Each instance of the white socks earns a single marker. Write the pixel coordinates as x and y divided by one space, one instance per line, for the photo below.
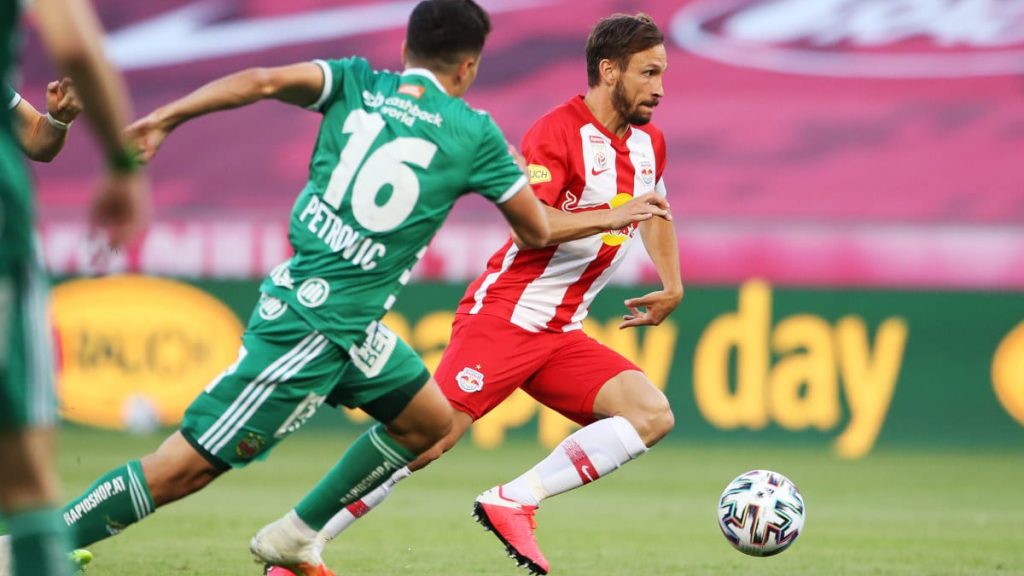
586 455
359 508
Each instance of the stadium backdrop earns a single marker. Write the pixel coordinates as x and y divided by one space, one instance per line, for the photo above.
846 370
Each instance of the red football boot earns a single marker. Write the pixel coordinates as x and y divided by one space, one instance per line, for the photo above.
513 524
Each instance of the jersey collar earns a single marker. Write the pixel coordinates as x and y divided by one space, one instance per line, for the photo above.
426 74
580 105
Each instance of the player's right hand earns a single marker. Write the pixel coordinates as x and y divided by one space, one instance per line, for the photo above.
643 207
147 134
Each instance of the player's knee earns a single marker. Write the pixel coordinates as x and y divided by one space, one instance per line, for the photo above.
423 432
663 420
654 421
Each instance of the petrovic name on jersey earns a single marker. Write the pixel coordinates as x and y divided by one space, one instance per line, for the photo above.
321 220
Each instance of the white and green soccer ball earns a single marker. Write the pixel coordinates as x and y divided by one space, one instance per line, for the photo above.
761 513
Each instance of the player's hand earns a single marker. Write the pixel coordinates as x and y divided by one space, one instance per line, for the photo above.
650 310
121 209
147 134
643 207
62 101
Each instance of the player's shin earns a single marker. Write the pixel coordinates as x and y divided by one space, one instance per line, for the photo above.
586 455
356 510
115 501
38 543
367 464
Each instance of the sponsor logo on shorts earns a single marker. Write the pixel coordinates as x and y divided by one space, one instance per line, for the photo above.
271 308
372 355
313 292
302 413
250 446
470 380
538 174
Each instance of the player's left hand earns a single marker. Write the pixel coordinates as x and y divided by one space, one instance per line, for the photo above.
62 101
651 309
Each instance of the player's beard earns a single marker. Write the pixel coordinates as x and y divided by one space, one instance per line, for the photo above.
630 112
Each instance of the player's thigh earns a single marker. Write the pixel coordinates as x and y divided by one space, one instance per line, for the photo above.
487 359
384 380
284 371
27 397
570 380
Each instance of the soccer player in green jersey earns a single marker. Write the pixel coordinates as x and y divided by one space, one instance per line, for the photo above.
28 485
393 153
42 136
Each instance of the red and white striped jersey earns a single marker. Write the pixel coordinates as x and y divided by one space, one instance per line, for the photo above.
575 164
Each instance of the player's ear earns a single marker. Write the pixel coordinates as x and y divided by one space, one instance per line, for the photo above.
467 70
609 71
405 54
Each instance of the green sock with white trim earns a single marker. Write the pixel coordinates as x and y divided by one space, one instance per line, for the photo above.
39 544
365 465
115 501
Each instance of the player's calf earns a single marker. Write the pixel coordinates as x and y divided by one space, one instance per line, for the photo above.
131 492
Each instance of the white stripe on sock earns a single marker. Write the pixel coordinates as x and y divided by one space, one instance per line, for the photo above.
136 485
131 493
388 452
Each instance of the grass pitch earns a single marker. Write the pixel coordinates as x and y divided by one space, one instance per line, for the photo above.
894 513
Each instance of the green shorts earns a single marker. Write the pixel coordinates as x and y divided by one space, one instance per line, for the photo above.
27 398
284 372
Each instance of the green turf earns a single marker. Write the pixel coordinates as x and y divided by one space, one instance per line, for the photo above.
913 513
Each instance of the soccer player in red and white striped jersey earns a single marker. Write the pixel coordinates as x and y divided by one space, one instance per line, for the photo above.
597 163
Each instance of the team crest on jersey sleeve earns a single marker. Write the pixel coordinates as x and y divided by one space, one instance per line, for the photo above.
470 380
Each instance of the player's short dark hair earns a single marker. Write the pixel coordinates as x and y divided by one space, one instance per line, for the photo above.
441 32
617 38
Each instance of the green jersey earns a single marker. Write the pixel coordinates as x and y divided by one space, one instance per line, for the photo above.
16 211
393 154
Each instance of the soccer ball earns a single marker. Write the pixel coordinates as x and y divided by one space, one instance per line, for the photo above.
761 513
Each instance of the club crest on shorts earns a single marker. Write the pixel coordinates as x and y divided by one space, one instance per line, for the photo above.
470 380
250 446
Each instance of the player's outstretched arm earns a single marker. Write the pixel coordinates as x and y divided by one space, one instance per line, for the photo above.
568 226
42 136
72 35
528 219
299 84
659 237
